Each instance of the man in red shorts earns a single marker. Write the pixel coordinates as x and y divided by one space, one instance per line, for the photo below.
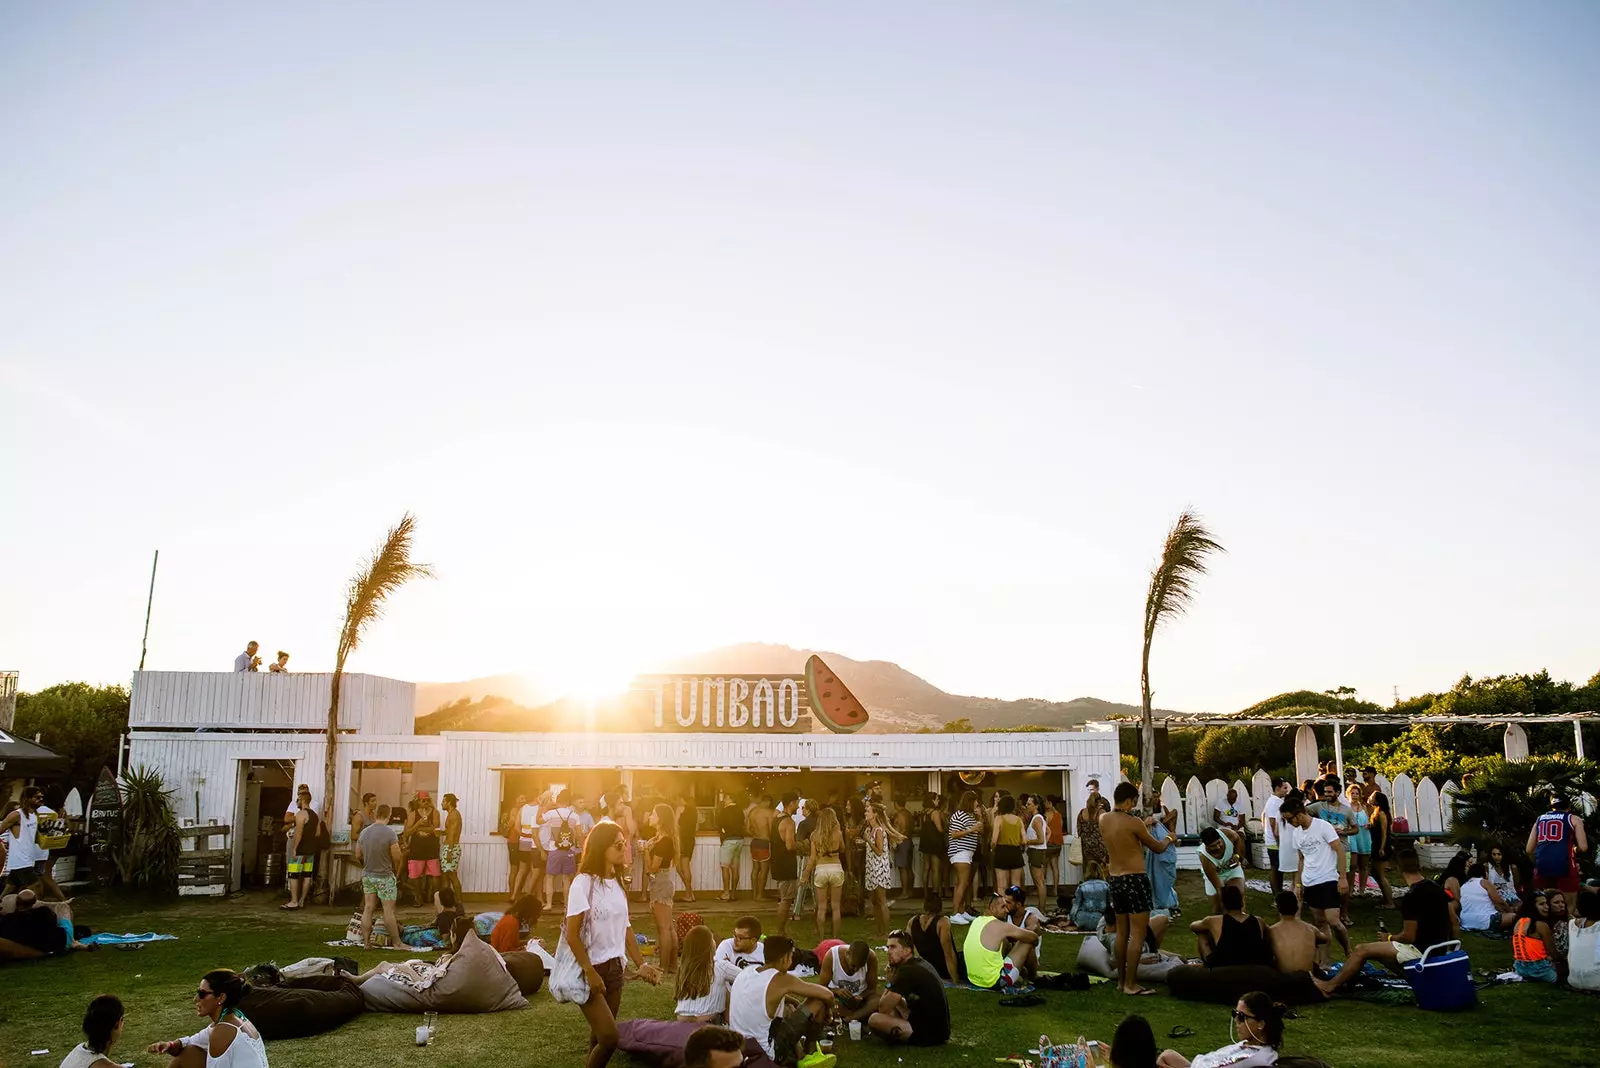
1554 843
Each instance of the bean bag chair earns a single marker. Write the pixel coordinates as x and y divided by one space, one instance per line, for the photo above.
475 980
1224 986
686 922
1094 958
660 1042
526 969
299 1008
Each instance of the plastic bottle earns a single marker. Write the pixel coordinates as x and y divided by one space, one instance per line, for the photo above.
1383 929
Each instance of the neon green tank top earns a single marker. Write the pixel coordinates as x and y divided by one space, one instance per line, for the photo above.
983 965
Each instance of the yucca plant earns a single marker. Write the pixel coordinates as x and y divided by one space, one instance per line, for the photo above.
147 854
1498 807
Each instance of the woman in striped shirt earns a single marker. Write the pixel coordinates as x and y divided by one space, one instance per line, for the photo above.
962 836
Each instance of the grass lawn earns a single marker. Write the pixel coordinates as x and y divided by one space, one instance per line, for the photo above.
43 1002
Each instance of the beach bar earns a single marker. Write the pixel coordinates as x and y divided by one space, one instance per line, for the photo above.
232 747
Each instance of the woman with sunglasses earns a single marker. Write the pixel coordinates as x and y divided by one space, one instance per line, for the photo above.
1258 1023
229 1040
595 939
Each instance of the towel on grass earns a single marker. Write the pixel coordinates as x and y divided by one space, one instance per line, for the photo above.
104 938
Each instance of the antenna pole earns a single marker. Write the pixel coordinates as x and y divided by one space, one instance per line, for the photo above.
144 643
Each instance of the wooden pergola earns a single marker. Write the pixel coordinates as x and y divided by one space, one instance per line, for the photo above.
1338 723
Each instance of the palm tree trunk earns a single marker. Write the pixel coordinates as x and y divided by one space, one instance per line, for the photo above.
1147 726
330 765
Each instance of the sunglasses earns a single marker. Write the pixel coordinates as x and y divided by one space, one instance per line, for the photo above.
1241 1017
201 995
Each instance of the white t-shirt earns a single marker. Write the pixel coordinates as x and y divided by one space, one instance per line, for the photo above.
607 905
754 959
1238 1055
852 983
1272 811
1314 844
1231 815
527 818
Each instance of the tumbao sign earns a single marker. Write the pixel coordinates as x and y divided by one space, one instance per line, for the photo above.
728 702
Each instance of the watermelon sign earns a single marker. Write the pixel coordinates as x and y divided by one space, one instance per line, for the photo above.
831 700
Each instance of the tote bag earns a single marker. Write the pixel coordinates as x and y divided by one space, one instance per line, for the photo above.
567 981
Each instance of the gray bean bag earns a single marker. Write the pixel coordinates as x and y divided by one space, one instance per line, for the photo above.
475 980
1094 958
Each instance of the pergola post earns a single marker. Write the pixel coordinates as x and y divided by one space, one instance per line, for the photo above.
1338 748
1577 736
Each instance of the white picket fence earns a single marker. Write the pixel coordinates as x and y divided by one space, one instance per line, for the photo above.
1426 808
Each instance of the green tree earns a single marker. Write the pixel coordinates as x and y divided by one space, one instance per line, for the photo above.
958 726
384 572
1183 560
81 722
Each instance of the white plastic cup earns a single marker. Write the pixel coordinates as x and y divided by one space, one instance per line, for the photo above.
855 1030
422 1034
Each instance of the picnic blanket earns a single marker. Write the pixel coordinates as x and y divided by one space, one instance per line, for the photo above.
105 938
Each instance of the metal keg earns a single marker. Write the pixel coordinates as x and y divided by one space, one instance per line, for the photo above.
271 868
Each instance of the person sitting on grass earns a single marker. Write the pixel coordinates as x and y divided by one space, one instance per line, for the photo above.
913 1009
745 949
703 978
1235 937
1134 1044
229 1040
1533 941
1482 907
1293 941
102 1026
988 966
851 972
714 1047
930 932
1258 1023
1221 862
757 1009
1429 921
506 935
446 910
1029 918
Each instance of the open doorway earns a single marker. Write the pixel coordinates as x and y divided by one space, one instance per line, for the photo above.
264 793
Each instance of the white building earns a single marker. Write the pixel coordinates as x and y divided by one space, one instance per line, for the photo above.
233 746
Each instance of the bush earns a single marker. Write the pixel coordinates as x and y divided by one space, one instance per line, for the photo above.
147 856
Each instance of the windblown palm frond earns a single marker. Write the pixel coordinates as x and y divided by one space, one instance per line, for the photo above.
389 568
1183 560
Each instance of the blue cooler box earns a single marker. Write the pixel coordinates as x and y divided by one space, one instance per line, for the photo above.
1442 979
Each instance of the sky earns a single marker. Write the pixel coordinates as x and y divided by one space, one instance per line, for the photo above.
901 330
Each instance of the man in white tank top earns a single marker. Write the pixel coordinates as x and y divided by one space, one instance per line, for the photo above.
757 1009
21 828
851 972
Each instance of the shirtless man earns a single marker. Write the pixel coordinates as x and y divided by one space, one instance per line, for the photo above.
1294 942
1127 838
450 848
760 821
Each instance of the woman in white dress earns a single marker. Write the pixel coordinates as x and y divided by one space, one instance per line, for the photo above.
229 1040
102 1026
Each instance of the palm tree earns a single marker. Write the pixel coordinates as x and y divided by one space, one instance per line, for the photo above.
384 572
1183 559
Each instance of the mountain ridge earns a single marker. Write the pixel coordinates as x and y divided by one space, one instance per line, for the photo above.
899 700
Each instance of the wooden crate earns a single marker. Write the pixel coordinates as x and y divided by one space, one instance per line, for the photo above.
203 871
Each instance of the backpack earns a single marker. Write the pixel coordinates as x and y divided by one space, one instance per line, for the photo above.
563 836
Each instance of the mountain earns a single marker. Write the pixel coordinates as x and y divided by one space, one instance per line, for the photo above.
897 699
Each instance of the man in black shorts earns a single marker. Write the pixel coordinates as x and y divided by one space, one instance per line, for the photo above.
1321 868
1127 839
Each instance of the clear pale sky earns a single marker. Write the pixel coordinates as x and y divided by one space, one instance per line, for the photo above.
899 330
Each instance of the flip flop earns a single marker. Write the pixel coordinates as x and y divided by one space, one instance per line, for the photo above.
1021 1001
288 908
1142 992
1181 1032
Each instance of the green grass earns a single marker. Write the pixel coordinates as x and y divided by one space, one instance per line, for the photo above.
43 1002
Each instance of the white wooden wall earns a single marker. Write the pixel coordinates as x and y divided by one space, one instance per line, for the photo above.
368 703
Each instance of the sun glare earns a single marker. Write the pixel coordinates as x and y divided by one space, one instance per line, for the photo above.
590 680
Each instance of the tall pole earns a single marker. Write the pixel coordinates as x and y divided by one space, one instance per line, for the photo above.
144 643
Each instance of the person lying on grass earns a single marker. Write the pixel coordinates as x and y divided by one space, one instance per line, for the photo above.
1429 921
1258 1025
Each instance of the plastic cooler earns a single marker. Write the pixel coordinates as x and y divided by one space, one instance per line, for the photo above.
1442 979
